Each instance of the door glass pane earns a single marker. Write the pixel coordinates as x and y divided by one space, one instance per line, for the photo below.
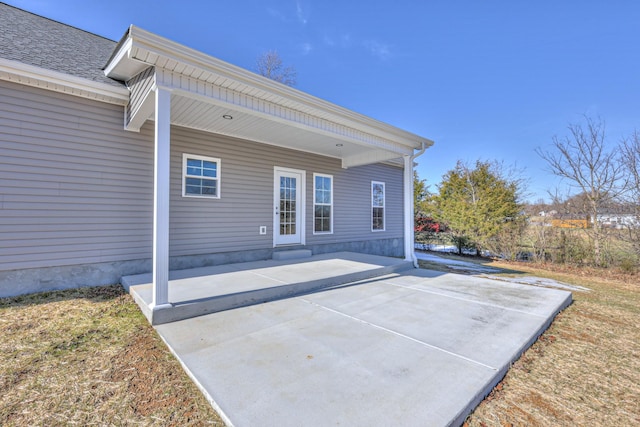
287 205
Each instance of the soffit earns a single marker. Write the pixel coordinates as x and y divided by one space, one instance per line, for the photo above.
209 117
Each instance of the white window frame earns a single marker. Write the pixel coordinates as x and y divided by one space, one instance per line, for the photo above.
185 157
330 204
384 208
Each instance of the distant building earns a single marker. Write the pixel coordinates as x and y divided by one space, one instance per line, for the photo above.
619 221
570 223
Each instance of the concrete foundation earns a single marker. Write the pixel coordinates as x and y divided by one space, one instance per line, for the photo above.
27 281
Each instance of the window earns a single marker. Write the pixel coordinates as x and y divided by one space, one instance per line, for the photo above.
322 203
377 206
200 176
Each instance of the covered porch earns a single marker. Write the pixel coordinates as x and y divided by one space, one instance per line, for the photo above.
199 291
173 85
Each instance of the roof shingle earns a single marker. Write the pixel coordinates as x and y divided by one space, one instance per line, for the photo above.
45 43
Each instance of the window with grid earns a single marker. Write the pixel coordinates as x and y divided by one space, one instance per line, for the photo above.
377 206
322 204
200 176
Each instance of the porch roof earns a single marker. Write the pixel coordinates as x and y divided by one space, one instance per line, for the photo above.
211 95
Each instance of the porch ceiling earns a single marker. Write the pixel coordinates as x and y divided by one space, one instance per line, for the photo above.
210 117
204 90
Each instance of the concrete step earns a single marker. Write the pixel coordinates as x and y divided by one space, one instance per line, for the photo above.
236 289
292 254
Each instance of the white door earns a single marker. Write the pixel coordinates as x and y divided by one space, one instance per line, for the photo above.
288 220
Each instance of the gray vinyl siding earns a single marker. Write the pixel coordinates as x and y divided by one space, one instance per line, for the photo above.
75 188
140 87
352 218
231 223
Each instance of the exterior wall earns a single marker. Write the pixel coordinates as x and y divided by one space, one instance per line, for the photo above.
140 87
75 187
231 223
76 195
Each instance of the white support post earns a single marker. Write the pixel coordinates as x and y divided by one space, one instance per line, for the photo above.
161 200
408 209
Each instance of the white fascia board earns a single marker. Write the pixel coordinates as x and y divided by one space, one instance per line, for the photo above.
117 68
150 48
30 75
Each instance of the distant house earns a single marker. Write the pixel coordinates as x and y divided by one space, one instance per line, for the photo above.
619 221
146 155
548 213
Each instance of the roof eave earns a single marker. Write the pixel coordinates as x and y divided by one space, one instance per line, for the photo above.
31 75
139 49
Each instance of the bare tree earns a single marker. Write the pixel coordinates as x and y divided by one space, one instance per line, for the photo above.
270 65
631 161
584 160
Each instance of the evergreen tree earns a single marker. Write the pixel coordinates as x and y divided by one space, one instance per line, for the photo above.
420 195
477 204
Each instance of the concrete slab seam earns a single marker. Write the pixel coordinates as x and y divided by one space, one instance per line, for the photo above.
502 307
479 397
382 328
270 278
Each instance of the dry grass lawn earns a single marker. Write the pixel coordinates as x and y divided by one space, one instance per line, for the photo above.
89 357
585 369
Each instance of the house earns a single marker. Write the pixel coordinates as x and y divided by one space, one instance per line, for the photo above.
145 155
619 221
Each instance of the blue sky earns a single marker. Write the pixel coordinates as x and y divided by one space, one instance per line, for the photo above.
483 79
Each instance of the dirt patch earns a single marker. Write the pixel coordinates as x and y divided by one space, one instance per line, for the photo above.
148 371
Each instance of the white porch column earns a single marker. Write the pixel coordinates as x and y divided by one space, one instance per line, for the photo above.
161 199
408 208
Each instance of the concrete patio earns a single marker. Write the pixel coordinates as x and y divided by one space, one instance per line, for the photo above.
415 347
